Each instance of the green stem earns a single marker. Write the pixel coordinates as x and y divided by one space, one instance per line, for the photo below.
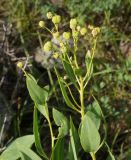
93 156
51 133
82 96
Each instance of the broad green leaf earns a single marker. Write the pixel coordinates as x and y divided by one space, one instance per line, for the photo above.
29 155
25 156
74 144
39 95
43 109
69 70
58 151
60 121
89 135
94 112
22 144
37 136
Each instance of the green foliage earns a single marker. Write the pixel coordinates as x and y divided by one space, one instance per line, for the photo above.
94 112
39 148
58 151
83 8
62 122
105 75
89 135
74 144
20 148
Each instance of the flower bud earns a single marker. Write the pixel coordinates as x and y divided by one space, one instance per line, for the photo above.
78 28
49 15
56 35
65 77
88 54
73 23
20 65
61 44
83 31
95 31
75 34
55 55
56 19
66 35
41 24
63 49
90 27
47 46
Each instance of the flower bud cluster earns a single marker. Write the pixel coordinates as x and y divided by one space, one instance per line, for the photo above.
41 24
56 19
49 15
66 35
94 30
56 35
73 23
55 55
48 46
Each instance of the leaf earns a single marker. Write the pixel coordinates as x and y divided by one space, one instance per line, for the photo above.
64 93
89 135
94 112
37 136
29 155
19 146
74 145
60 121
58 151
43 109
69 70
39 95
89 65
110 156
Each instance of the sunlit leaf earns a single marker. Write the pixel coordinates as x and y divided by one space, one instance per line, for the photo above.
39 95
37 136
94 112
19 146
58 151
89 135
62 122
69 70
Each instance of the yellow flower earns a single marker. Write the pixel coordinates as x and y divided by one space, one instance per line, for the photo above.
95 31
83 31
56 35
19 64
49 15
66 35
56 19
73 23
48 46
41 24
56 55
78 28
75 34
